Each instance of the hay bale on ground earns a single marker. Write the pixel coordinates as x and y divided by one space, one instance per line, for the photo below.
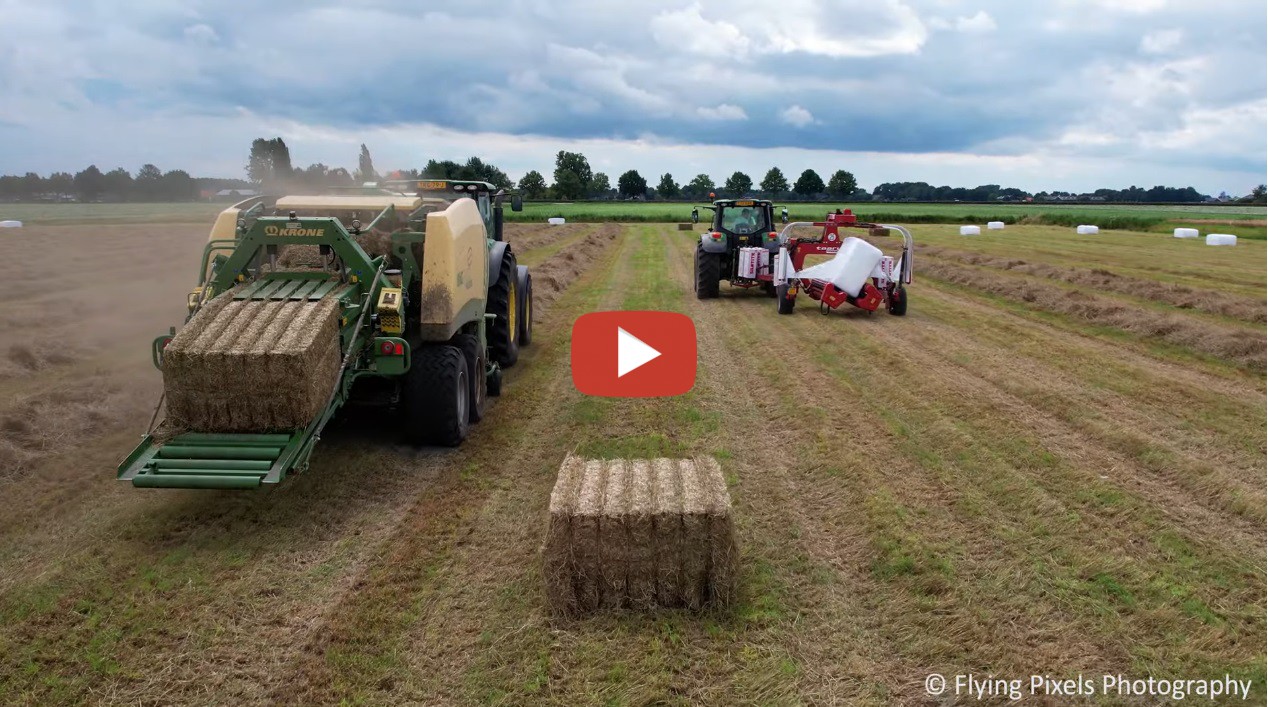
878 232
252 365
685 227
639 534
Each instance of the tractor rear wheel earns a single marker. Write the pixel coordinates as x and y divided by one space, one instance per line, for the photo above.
768 288
782 302
898 301
437 397
476 365
504 335
708 273
525 279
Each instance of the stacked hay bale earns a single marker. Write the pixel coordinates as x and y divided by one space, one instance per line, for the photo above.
252 365
639 534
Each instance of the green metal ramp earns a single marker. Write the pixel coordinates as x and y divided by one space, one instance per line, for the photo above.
212 461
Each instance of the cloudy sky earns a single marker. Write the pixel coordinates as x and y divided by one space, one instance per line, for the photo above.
1062 94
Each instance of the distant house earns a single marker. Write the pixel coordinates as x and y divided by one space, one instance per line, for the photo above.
234 194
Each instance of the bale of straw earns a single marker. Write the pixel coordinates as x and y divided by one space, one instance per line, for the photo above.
667 531
559 563
639 534
640 526
614 540
585 536
685 227
878 232
252 366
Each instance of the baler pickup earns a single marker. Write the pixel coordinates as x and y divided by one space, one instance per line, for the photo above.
212 461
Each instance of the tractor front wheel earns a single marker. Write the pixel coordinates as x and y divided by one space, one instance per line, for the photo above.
708 273
437 397
783 302
504 333
898 301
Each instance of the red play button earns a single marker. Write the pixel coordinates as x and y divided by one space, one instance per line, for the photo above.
633 354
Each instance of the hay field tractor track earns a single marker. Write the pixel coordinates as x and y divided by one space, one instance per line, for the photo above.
743 248
301 309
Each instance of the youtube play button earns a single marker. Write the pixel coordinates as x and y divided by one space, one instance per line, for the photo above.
633 354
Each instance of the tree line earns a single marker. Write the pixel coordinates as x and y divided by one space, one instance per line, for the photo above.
269 168
149 184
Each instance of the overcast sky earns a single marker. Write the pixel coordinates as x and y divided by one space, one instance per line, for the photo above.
1062 94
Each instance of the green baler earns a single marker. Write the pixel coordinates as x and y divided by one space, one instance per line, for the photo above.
415 326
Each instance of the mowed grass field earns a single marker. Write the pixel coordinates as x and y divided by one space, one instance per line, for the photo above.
1240 220
1053 464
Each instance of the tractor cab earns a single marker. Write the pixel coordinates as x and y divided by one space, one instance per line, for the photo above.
744 222
487 197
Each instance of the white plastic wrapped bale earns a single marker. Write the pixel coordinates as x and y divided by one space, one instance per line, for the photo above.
10 224
555 220
1086 230
994 225
1186 233
970 230
850 268
1221 239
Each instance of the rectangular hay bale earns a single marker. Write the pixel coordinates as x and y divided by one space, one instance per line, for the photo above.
639 534
252 365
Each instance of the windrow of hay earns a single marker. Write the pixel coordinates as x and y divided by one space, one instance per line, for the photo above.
552 277
252 366
1209 300
639 534
1240 346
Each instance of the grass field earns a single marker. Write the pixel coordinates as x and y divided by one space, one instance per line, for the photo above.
1243 221
999 483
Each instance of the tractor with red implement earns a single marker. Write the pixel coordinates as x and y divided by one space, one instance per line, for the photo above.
743 249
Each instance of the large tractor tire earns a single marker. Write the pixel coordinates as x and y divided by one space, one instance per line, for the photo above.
437 397
478 386
504 334
525 280
898 301
782 303
708 273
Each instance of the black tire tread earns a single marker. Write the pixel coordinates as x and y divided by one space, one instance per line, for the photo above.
503 345
708 273
431 394
477 398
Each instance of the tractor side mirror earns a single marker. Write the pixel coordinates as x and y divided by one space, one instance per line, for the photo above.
517 203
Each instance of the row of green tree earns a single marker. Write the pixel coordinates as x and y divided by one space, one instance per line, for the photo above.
91 184
574 179
270 169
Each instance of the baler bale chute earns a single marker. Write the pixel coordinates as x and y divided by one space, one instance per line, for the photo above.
419 311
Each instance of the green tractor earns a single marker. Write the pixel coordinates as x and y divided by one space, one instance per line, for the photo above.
426 307
739 227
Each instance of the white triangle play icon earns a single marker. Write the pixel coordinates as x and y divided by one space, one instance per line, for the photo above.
631 352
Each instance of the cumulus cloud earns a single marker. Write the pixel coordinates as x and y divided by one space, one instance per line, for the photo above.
796 116
722 111
1108 81
1161 42
978 23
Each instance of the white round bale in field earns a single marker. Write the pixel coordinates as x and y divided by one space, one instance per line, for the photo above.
994 225
1087 230
1186 233
10 224
970 230
555 220
1221 239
